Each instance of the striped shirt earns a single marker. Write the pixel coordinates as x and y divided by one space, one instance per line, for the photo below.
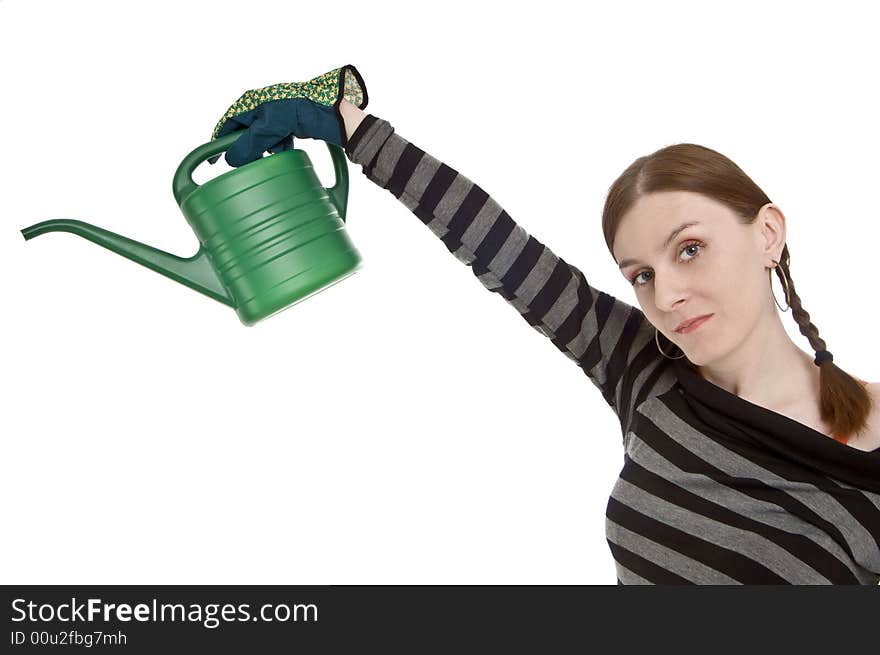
714 489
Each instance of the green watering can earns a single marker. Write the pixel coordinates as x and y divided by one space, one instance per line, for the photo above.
270 235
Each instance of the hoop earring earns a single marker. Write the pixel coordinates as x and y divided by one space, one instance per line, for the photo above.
784 282
656 334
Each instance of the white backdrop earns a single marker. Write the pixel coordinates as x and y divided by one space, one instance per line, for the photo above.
406 425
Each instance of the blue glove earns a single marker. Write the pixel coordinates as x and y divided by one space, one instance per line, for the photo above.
272 126
271 116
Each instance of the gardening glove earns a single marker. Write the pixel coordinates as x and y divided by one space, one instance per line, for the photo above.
273 115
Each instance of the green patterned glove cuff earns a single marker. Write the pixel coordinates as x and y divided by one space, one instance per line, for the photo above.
329 89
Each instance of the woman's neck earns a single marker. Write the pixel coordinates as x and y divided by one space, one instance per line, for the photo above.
766 368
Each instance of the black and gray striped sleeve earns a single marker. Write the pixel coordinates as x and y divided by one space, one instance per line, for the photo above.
609 339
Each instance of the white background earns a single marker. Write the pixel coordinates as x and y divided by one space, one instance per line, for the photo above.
404 426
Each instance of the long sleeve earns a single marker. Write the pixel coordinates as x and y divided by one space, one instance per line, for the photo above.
609 339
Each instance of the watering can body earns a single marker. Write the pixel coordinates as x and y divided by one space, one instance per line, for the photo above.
270 235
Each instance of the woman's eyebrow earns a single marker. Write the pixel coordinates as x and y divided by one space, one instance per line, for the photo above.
672 235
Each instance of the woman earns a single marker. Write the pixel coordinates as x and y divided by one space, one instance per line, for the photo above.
746 460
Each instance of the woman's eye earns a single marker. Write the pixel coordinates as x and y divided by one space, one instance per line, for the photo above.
692 245
635 281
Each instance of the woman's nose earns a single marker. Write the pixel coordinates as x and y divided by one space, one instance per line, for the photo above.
669 291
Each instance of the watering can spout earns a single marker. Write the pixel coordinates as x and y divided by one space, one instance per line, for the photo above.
195 272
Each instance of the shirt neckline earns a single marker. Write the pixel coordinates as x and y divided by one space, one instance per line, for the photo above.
783 434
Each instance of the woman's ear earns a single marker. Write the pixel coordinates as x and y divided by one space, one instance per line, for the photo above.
771 229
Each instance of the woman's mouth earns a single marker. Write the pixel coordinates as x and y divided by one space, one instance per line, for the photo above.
693 325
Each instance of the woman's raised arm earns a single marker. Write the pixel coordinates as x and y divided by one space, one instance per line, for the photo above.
609 339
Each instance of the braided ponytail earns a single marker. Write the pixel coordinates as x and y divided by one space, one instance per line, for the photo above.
843 402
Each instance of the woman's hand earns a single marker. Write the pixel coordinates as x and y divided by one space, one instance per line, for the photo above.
351 116
268 118
271 126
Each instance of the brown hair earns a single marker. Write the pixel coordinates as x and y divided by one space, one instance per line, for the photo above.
844 402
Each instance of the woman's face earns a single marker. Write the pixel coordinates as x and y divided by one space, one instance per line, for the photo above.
715 266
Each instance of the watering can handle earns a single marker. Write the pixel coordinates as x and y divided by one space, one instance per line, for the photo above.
183 183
